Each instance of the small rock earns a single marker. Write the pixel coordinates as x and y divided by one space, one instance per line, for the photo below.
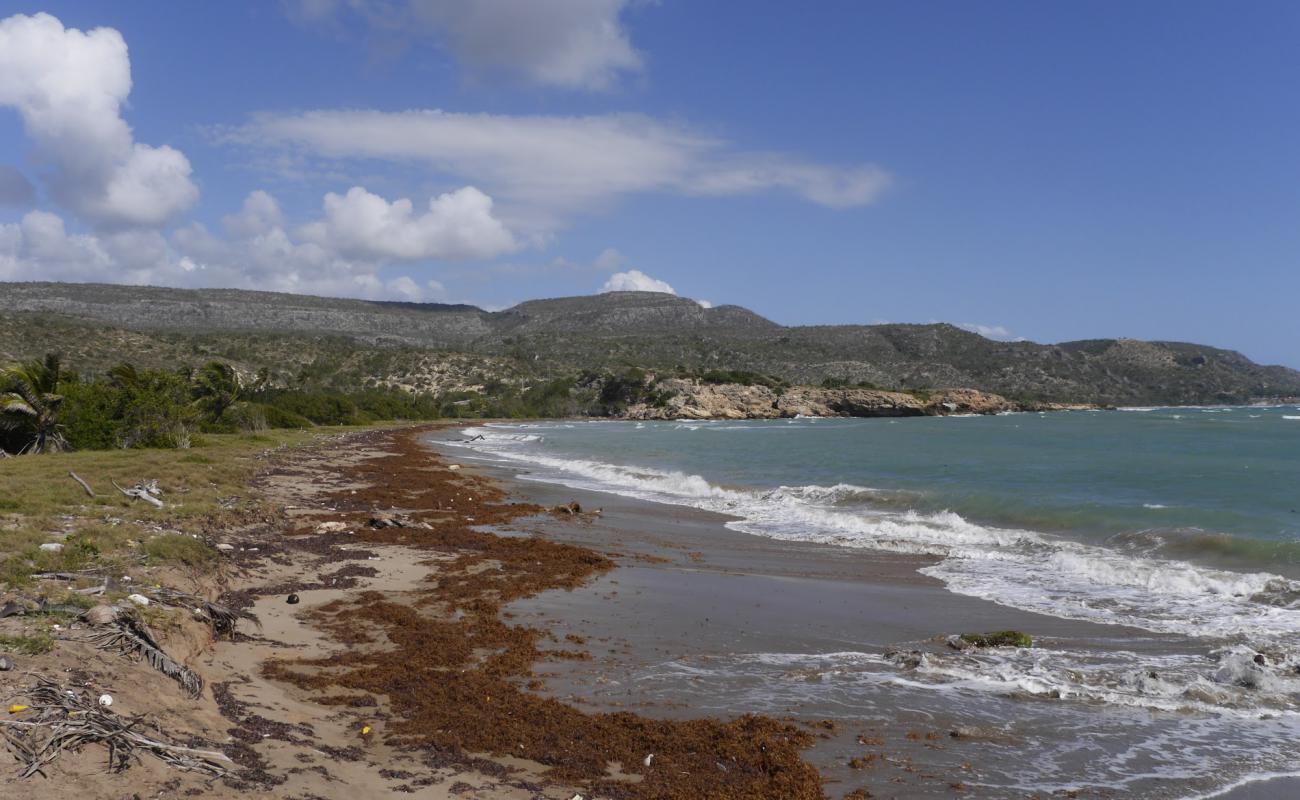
453 466
6 663
225 548
52 547
334 526
138 599
292 600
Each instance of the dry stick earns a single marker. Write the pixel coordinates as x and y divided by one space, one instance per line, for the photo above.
141 494
84 485
67 721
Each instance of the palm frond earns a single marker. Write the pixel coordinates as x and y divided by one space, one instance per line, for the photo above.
131 637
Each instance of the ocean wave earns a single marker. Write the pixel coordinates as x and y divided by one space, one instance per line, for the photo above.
1017 568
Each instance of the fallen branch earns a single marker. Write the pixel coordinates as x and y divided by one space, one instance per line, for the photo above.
84 485
141 492
60 720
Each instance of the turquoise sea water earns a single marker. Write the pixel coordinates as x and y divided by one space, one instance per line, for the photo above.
1178 522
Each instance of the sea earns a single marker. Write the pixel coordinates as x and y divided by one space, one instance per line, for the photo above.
1176 528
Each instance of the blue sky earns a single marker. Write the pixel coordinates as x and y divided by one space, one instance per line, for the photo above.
1043 170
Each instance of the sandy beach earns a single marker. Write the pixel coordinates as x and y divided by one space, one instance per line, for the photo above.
462 631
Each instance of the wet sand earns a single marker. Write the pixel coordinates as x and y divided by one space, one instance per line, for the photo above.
690 590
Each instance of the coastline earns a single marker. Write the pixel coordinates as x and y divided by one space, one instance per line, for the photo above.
689 589
702 618
414 561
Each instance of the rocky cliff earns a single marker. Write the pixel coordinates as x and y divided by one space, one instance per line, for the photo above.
689 399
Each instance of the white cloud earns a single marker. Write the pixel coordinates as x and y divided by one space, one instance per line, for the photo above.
705 303
257 253
572 44
68 86
634 280
458 225
999 332
546 168
260 214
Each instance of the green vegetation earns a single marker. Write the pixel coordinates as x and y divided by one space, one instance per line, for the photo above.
998 639
46 409
334 345
28 644
108 531
177 548
30 404
742 377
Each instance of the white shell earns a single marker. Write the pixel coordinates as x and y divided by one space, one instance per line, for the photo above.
106 700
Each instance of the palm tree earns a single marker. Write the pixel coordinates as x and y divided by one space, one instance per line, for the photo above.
30 403
215 388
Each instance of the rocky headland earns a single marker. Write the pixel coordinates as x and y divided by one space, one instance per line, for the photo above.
692 399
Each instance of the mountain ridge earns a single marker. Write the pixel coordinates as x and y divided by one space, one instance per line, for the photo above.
650 330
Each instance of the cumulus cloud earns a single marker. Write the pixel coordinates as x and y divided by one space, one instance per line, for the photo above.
571 44
257 252
458 225
634 280
999 332
68 86
705 303
546 168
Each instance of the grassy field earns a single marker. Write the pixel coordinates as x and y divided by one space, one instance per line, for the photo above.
40 503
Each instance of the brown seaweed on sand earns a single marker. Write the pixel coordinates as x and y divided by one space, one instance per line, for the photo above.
455 671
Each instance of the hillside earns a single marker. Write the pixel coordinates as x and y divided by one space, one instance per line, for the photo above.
433 347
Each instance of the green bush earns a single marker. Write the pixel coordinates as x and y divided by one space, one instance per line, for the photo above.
277 417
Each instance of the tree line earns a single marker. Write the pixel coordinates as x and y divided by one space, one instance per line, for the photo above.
45 408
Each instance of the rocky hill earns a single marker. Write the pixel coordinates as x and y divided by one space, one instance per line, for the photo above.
419 345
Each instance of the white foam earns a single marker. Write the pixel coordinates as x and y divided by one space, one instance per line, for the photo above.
1017 568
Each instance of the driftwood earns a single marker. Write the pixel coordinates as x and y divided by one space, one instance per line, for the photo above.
131 637
57 720
84 485
142 491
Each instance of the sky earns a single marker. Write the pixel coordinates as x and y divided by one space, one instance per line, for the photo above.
1049 171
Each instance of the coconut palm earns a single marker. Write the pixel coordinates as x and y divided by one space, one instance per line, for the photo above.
215 387
30 403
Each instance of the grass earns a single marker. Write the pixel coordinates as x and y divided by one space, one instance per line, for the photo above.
43 504
28 644
191 482
178 549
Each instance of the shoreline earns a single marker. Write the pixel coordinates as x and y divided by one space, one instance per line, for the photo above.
690 589
698 596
